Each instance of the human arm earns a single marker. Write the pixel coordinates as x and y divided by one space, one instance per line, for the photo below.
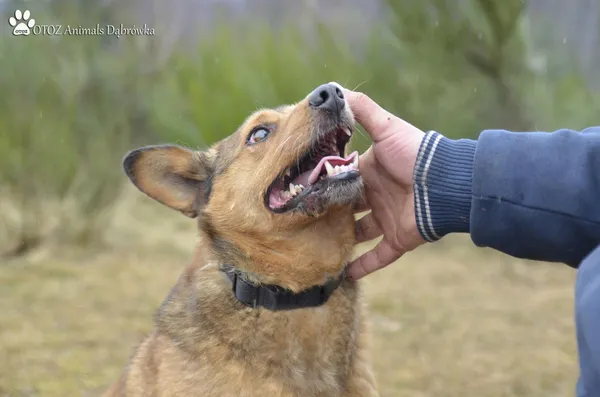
530 195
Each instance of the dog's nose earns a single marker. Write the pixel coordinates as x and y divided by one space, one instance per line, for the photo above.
328 97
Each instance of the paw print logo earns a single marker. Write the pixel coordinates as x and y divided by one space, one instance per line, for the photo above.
21 23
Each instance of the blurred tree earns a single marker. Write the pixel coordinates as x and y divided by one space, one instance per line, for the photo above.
468 49
70 112
73 105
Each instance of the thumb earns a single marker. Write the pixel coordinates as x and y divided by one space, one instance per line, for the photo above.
370 115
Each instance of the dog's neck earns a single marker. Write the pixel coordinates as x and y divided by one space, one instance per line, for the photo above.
292 259
275 297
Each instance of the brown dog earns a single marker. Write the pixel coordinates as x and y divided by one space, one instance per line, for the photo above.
264 309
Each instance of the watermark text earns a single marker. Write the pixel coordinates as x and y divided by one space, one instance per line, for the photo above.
24 25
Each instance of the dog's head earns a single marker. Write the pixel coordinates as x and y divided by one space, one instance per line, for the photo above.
275 197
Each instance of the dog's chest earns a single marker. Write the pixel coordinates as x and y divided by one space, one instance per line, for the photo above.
293 372
247 353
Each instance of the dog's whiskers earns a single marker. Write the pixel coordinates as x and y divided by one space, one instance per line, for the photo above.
361 133
283 143
359 84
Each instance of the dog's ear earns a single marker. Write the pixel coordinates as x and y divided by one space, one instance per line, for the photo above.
172 175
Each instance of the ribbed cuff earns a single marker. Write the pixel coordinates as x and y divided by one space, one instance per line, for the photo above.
443 181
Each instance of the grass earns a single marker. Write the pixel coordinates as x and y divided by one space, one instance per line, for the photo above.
448 320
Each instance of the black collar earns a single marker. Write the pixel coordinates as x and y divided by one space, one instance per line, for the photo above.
273 297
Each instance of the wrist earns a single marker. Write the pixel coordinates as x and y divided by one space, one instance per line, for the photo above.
412 233
442 182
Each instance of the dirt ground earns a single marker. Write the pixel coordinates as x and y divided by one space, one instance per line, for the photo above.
449 320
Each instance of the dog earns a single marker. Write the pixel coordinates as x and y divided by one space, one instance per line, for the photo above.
265 307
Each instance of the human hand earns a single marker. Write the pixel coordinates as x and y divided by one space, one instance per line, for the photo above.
387 170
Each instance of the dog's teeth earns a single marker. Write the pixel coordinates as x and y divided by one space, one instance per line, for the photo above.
336 170
329 168
355 162
348 132
299 188
288 172
292 189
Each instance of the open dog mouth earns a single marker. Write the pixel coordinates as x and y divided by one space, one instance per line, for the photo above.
314 173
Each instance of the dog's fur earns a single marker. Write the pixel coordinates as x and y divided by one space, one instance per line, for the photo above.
205 342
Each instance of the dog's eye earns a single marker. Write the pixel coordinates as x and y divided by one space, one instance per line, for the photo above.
258 135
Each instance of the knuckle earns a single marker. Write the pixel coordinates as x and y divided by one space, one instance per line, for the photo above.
396 244
360 96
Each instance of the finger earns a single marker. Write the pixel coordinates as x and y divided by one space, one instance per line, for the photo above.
367 229
364 160
381 256
370 115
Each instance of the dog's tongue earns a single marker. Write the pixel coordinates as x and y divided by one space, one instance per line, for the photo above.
276 199
302 179
313 175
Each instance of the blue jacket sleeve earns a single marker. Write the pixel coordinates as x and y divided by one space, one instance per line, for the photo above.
530 195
